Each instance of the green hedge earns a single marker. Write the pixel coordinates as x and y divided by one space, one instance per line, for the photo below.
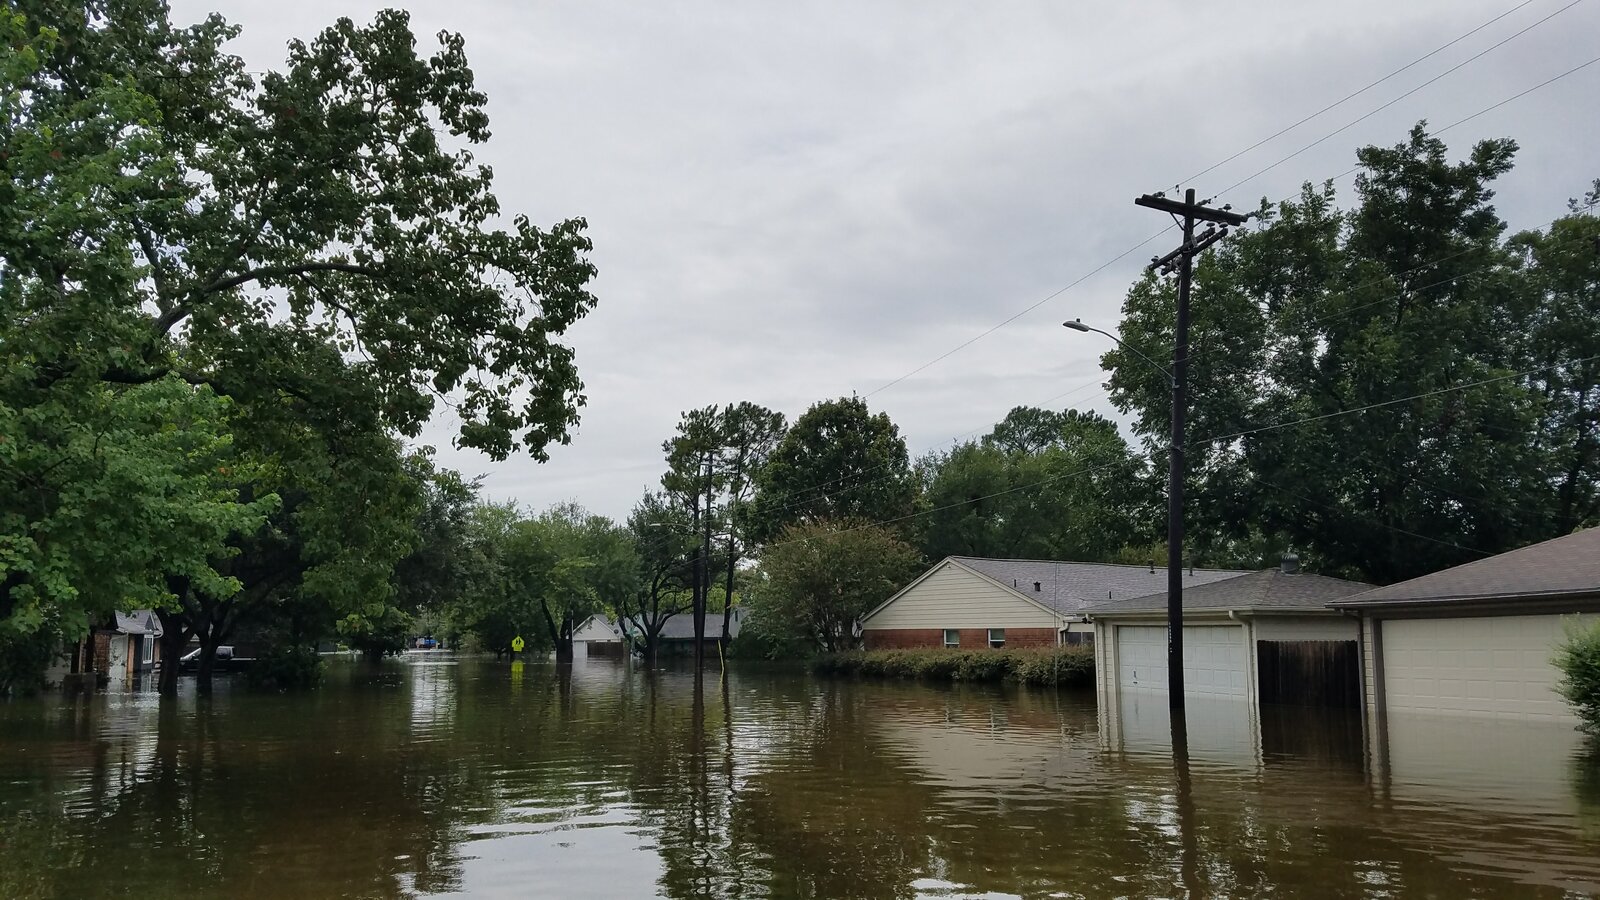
1579 661
1063 666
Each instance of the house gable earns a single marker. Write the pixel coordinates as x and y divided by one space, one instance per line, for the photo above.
952 596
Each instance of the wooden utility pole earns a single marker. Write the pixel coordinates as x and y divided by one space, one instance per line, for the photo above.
1188 212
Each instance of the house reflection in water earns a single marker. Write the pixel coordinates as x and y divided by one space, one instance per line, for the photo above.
1496 796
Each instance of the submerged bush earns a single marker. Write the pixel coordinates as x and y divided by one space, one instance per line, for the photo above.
1061 666
1579 661
286 668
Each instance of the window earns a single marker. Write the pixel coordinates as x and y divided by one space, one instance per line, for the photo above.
952 637
1076 638
997 638
147 648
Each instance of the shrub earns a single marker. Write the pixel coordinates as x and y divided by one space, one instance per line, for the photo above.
286 668
1578 658
1061 666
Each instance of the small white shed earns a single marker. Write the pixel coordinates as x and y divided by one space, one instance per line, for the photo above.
596 636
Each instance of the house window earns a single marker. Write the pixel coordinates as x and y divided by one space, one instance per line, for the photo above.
997 638
1076 638
952 637
147 648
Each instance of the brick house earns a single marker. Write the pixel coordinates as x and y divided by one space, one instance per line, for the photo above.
970 603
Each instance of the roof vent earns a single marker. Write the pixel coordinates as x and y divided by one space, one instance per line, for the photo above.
1290 564
1037 586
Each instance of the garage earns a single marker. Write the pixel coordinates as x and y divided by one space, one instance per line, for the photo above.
1213 659
1478 640
1488 665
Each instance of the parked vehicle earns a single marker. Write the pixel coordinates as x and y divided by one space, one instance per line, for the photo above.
225 661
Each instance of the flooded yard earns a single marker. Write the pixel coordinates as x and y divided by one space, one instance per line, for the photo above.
435 775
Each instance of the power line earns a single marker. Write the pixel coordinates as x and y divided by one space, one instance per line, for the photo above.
1103 266
1517 96
1362 118
1542 84
992 329
1207 441
1354 94
864 482
1369 519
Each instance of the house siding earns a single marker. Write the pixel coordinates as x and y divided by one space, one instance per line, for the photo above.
952 597
971 638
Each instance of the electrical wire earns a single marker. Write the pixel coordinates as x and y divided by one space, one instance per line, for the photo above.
1103 266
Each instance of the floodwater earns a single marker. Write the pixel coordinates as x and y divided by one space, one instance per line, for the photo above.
435 775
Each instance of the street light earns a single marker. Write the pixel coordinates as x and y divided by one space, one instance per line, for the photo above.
1174 530
1080 325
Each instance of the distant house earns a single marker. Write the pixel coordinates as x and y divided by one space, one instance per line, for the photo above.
115 655
597 636
972 603
137 641
1478 639
1266 637
677 632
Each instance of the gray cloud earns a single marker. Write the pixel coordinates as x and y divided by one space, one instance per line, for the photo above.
797 201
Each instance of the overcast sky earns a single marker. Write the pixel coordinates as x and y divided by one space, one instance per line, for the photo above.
797 201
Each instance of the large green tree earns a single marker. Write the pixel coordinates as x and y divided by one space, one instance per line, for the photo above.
839 460
318 236
1371 362
1062 486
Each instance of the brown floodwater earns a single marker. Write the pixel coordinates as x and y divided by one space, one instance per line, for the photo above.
434 775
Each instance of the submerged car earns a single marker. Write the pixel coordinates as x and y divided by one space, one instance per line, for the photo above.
225 660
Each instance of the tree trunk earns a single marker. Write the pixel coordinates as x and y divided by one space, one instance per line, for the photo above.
174 638
698 593
209 640
727 595
563 642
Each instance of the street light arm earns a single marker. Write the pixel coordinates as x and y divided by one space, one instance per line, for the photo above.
1080 325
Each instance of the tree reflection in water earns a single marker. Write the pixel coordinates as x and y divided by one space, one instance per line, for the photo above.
603 780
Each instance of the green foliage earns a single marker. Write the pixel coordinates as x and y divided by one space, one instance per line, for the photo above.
24 657
838 461
222 295
540 577
1412 292
286 667
1578 658
818 580
104 492
1059 667
1043 485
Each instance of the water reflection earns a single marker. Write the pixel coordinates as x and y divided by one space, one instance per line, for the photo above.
604 781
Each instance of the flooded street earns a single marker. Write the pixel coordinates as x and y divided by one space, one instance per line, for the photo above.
434 776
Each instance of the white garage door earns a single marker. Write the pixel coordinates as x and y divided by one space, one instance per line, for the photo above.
1213 659
1494 666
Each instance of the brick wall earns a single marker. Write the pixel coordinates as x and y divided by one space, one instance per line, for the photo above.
971 638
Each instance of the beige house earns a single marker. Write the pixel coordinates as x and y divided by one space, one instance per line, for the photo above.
971 603
1478 639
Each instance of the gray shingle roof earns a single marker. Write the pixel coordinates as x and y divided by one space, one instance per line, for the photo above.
140 621
680 626
1562 566
1071 587
1268 589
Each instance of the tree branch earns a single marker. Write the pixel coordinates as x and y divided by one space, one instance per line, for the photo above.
181 311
